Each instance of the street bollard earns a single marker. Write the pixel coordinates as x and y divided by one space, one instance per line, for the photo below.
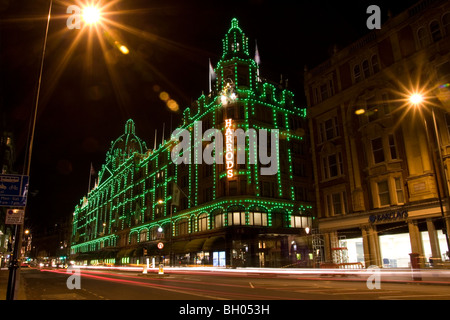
161 269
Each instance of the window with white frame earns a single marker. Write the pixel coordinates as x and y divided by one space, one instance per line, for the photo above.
389 191
236 218
203 222
332 165
300 221
328 129
384 197
336 203
399 190
377 150
384 149
219 220
257 218
392 147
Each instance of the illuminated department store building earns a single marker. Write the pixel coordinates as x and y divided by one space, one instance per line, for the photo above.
223 218
381 175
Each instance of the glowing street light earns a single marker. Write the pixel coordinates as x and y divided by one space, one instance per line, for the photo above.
124 49
416 99
360 112
91 15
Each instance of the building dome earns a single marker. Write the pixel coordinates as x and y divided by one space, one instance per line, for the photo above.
126 145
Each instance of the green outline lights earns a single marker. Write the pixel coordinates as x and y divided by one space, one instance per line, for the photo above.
249 96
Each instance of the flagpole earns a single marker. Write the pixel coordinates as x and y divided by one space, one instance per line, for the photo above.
162 139
257 60
90 175
210 76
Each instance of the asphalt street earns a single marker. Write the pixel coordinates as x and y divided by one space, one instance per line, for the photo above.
52 284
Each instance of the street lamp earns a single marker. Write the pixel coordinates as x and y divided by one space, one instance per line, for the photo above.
418 100
91 15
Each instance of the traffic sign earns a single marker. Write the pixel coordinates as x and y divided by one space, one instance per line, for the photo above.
160 245
13 190
14 216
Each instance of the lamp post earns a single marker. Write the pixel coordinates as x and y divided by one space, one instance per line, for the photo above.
417 100
90 16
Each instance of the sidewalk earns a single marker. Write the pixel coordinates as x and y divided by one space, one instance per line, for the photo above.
4 274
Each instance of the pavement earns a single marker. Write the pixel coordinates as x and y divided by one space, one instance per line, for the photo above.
20 288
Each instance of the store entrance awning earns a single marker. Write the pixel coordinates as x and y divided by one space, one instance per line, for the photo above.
178 247
214 243
194 245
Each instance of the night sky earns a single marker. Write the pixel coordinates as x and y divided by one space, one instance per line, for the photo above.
89 92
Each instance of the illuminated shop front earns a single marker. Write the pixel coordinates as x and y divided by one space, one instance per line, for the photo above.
229 213
387 239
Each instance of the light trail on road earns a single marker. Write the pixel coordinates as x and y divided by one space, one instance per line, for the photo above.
149 282
386 275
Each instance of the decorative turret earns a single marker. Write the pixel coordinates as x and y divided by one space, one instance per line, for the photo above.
235 43
236 68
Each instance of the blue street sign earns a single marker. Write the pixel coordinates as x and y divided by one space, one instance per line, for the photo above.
13 190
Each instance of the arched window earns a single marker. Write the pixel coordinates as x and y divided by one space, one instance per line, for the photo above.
182 227
301 219
154 233
218 217
366 69
278 218
446 23
375 65
435 31
357 73
424 39
143 235
203 222
257 216
133 238
236 216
